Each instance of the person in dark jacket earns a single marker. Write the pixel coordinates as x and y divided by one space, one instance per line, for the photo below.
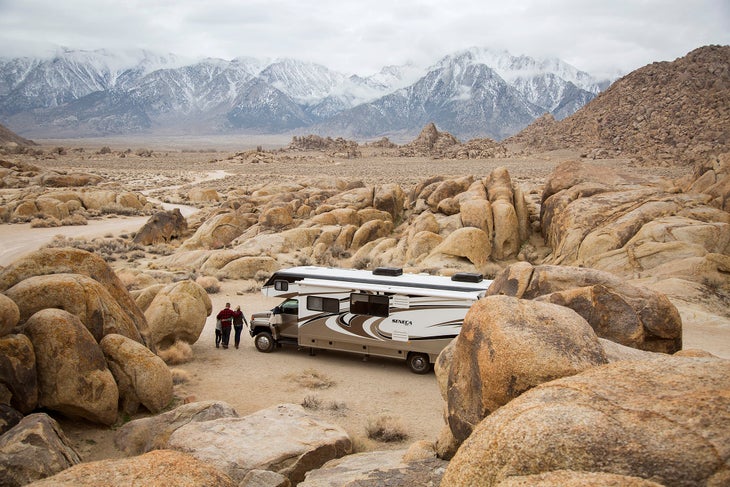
238 320
226 317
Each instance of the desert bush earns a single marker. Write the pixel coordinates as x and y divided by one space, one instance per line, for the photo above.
61 151
144 152
386 429
311 379
209 283
338 407
46 222
262 276
105 150
75 219
179 376
178 353
311 401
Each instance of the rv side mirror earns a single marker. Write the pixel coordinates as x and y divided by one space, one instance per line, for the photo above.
276 310
281 285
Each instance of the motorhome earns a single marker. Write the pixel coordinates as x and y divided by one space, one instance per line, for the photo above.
383 312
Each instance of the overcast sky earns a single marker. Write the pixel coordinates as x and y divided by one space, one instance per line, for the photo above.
360 37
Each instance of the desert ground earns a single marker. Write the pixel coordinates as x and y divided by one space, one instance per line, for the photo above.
346 389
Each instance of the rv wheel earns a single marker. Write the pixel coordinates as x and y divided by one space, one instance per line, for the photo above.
264 342
419 363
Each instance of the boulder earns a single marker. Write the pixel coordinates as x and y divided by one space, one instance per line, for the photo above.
34 449
630 315
283 438
421 245
79 295
142 377
147 434
508 346
468 242
98 199
376 468
74 261
9 417
666 419
448 189
264 478
220 230
356 198
162 227
570 478
277 217
9 315
248 267
178 312
337 216
506 231
370 231
18 372
157 468
390 198
143 298
499 186
203 195
74 179
73 378
477 213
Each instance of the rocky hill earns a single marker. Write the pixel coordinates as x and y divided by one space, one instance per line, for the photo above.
9 137
669 112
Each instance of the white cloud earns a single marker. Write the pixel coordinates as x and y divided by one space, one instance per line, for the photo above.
360 37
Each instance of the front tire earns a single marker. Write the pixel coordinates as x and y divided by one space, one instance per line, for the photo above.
419 363
264 342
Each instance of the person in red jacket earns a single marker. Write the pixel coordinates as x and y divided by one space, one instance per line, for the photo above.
226 317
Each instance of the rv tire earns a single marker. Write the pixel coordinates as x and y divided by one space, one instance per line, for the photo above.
264 342
419 363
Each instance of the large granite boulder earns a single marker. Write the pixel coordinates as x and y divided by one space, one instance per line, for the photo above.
18 372
468 242
147 434
178 312
34 449
376 468
78 294
157 468
74 261
282 438
630 315
508 346
9 315
571 478
220 230
142 377
162 227
666 419
73 377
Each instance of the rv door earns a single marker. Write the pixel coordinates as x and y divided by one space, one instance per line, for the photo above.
285 318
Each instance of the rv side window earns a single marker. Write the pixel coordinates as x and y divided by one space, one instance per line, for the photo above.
290 307
369 304
281 285
318 303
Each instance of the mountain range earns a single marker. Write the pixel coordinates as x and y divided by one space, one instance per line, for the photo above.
476 92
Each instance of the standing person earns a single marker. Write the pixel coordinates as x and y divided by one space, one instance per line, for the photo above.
226 317
238 320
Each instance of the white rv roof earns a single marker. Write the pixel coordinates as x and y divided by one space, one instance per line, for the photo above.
332 276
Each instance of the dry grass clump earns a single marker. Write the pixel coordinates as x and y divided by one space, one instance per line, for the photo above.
386 429
210 283
179 376
311 401
311 379
178 353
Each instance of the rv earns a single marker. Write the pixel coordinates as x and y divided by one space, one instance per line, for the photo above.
383 312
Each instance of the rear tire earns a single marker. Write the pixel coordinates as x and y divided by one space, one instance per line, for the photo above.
419 363
264 342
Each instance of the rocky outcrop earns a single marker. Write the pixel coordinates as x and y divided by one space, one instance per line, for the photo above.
630 315
163 467
73 377
282 439
665 419
79 295
147 434
162 227
178 312
9 315
34 449
74 261
220 230
508 346
141 376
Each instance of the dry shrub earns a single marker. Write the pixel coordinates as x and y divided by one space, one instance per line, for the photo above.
311 379
47 222
209 283
180 376
386 429
75 219
178 353
338 407
311 401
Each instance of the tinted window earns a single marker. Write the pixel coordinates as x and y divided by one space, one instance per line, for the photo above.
369 304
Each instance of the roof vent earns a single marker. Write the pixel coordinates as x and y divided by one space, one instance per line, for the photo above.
388 271
467 277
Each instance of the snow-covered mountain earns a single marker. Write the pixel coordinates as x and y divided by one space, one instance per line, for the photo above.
472 93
